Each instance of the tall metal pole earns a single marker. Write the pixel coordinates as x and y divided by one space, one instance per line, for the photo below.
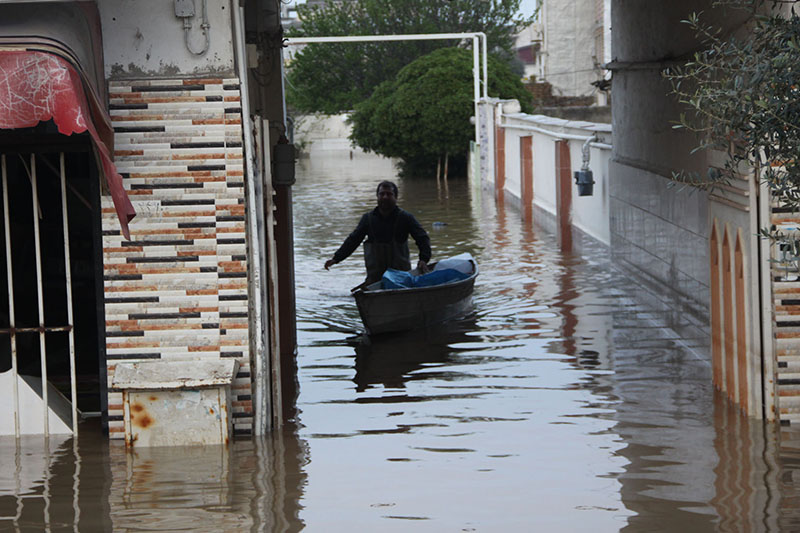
68 281
476 85
485 50
40 295
12 323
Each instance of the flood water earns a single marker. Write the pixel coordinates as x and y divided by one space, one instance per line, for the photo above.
559 404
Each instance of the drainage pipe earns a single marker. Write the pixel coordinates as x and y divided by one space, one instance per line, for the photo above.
585 151
261 405
476 89
485 50
561 136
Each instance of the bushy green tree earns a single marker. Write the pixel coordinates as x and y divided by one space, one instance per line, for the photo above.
334 77
424 113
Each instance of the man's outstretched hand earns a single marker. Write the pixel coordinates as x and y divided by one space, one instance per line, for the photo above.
422 267
329 263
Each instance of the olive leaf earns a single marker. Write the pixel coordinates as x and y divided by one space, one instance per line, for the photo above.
744 98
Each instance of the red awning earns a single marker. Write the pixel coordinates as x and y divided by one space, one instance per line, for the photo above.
38 86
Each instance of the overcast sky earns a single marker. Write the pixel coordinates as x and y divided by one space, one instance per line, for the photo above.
526 7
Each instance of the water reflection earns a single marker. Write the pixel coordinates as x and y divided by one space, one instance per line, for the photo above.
92 485
390 361
249 486
558 405
560 373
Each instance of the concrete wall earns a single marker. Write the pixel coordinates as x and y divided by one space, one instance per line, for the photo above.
569 46
317 131
178 289
145 39
505 171
324 147
588 213
660 232
181 287
693 256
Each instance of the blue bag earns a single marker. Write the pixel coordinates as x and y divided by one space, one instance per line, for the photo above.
400 279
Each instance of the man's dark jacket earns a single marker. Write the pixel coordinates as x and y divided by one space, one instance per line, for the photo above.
387 241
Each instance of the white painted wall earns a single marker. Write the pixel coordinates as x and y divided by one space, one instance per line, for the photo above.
144 39
31 407
569 46
530 35
513 164
324 146
544 169
590 214
607 57
28 463
322 130
659 231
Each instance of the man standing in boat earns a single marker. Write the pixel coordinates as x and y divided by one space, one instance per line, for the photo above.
386 228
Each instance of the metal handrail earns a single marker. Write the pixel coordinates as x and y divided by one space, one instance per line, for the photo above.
558 135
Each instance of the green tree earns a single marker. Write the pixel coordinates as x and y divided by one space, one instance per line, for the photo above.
743 99
424 113
332 78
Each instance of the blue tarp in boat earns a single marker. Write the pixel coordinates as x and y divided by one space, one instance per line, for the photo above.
400 279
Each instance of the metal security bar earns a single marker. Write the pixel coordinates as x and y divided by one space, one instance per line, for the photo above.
73 382
39 487
10 277
40 294
42 330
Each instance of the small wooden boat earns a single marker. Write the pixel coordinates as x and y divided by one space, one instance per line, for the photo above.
391 310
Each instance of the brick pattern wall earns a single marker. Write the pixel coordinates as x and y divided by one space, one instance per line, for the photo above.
786 301
178 289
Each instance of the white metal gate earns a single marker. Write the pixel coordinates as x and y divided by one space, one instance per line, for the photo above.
43 331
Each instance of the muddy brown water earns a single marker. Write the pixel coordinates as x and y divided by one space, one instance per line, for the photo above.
559 404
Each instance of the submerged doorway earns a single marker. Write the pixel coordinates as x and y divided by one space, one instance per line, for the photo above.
67 165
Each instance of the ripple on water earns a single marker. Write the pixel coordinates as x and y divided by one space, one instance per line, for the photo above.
523 390
558 405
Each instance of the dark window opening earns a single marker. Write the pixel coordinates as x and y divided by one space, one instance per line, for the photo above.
85 248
